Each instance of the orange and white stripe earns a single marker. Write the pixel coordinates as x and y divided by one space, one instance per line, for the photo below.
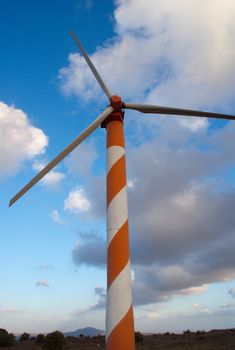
119 310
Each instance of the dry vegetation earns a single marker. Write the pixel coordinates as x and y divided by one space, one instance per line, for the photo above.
213 340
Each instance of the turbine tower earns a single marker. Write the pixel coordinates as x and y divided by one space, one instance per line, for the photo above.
119 309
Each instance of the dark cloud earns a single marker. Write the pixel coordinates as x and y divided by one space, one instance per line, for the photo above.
101 294
181 213
89 250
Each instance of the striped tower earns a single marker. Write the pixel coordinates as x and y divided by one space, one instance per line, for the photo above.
119 310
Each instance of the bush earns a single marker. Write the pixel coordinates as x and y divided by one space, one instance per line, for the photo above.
40 339
6 339
54 341
139 338
24 336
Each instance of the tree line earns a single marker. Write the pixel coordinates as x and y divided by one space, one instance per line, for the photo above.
51 341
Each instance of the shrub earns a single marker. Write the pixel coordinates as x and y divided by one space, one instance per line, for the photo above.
24 336
139 337
54 341
200 332
6 339
40 339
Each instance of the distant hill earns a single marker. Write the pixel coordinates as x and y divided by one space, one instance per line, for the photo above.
85 331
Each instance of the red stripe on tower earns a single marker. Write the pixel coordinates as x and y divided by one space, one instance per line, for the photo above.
119 311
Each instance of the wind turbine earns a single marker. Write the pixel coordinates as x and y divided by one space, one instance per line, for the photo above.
119 309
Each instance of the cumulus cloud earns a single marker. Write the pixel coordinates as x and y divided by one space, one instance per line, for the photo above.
158 284
181 171
56 217
50 180
100 292
81 164
164 53
196 53
42 283
90 250
181 216
100 304
19 140
81 160
77 201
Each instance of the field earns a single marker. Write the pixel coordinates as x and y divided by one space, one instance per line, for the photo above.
213 340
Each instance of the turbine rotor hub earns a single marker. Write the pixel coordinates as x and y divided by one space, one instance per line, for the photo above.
116 102
117 114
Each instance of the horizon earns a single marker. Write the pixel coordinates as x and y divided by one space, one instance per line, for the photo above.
144 333
180 170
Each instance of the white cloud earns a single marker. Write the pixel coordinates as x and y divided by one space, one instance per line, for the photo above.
81 160
77 201
195 43
130 184
132 275
11 310
42 283
232 292
56 217
195 290
175 53
52 179
46 267
19 140
194 124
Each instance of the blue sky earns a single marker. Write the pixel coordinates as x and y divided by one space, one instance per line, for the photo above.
180 170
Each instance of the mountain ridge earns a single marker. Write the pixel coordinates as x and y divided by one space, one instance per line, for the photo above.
87 331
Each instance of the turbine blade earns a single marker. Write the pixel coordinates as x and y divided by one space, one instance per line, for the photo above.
103 86
175 111
94 125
